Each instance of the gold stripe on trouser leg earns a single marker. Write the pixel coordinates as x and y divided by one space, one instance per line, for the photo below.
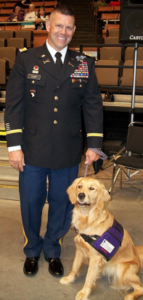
61 239
26 239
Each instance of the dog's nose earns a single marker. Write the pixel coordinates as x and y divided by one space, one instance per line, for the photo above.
81 196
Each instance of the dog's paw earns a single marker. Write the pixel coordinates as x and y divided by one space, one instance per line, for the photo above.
81 296
66 280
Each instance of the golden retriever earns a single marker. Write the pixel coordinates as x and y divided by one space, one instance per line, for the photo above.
90 217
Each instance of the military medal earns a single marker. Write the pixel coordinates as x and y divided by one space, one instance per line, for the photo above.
35 69
82 71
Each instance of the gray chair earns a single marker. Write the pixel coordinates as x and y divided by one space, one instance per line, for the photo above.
133 156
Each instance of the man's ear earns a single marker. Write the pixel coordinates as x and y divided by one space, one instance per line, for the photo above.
47 25
71 191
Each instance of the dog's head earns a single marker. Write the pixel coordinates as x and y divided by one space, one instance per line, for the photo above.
88 192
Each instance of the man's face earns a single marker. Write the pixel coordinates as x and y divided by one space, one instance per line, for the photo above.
31 8
60 30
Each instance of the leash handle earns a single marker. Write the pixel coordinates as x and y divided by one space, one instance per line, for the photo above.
103 156
86 168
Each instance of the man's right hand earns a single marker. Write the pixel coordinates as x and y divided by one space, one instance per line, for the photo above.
16 160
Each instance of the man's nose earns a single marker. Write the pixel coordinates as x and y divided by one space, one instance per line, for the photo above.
63 30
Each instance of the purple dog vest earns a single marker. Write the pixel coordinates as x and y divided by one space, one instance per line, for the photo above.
109 242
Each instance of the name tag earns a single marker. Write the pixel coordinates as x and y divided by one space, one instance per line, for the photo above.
32 76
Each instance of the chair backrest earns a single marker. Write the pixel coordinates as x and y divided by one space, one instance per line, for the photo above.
26 34
129 53
114 32
2 42
111 53
7 11
127 78
6 34
49 3
135 138
112 40
9 54
2 71
107 76
16 42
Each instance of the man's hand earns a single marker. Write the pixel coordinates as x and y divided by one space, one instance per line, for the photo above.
91 156
16 160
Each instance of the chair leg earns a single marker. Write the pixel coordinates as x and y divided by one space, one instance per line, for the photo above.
120 178
116 171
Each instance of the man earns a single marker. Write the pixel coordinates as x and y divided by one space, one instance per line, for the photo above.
31 14
43 126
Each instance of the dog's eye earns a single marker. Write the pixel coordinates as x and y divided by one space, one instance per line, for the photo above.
79 186
91 188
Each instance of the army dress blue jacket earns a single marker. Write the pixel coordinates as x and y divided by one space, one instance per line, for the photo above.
43 111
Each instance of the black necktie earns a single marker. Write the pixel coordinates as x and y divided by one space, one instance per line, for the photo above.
59 62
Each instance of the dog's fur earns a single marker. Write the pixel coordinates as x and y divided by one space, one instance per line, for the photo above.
90 217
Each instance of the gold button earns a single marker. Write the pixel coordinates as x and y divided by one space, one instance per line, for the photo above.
55 122
56 98
55 109
80 85
33 81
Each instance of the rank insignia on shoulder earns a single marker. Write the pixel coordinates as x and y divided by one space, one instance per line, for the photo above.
23 49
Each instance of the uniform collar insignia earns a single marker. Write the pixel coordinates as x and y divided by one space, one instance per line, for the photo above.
69 63
43 55
46 61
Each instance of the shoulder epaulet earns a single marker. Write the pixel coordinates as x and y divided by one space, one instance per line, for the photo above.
23 49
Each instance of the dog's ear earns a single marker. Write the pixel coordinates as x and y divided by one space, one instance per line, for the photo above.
104 197
71 191
105 194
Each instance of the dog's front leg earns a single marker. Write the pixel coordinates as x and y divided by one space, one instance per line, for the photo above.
78 260
91 277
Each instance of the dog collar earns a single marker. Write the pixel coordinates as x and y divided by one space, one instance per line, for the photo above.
109 242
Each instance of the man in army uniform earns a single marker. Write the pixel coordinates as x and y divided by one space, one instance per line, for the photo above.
45 91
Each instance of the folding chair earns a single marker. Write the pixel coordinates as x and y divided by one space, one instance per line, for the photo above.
6 34
114 32
16 42
107 76
127 77
129 53
111 53
3 71
133 156
27 35
112 40
9 54
2 42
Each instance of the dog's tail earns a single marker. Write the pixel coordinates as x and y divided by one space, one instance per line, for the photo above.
140 253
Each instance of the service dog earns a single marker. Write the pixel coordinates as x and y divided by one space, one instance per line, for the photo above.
91 219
